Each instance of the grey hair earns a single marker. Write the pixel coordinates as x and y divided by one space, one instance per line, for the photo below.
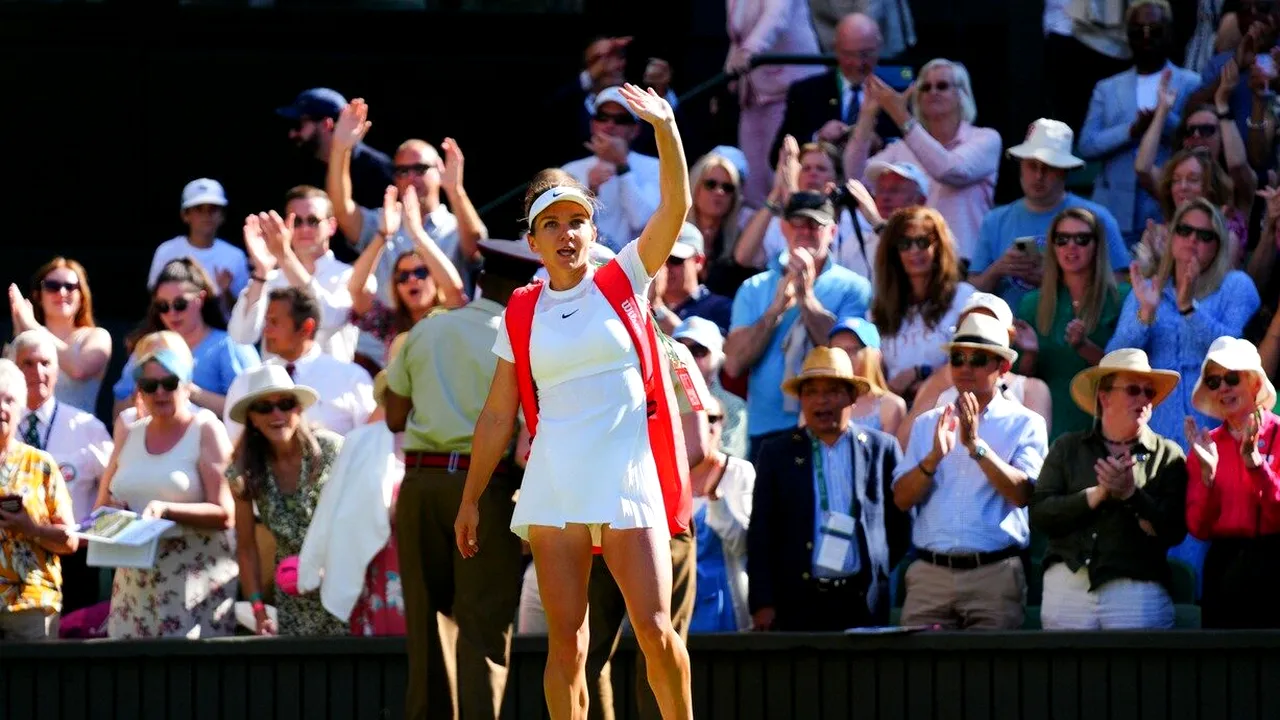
13 381
960 79
38 338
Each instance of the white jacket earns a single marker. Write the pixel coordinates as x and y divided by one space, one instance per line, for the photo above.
352 520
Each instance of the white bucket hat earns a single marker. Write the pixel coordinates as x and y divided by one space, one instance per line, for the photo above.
1048 141
1233 355
1084 386
983 332
270 379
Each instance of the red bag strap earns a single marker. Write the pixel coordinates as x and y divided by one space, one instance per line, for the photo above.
519 322
616 287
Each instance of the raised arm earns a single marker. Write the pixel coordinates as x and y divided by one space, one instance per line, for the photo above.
471 229
350 128
441 268
659 235
1144 164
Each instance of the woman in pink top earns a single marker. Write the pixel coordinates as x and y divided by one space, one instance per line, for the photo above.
938 136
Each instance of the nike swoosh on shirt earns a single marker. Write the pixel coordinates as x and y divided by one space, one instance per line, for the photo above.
562 317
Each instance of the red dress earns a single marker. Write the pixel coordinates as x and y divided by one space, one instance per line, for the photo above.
380 609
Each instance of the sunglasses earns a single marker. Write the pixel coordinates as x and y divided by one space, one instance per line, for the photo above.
150 385
1135 390
921 242
713 419
615 118
1204 235
54 286
712 185
179 305
1206 130
310 221
697 351
416 169
266 407
1083 239
977 360
674 261
940 86
1213 382
403 276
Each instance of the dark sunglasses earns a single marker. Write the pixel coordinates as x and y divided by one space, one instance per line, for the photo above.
615 118
1205 130
712 185
940 86
1204 235
265 407
54 286
150 385
697 351
1213 382
179 305
713 419
673 261
310 221
1135 390
977 360
403 276
416 169
1083 239
921 242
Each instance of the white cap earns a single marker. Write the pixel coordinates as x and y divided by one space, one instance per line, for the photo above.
993 304
907 170
689 243
203 192
612 95
560 193
1048 141
701 331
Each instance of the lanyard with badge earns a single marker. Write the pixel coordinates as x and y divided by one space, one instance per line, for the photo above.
681 371
836 529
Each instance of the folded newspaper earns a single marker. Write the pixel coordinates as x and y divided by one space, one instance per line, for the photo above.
120 538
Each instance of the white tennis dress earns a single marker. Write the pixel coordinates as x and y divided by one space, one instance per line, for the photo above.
590 461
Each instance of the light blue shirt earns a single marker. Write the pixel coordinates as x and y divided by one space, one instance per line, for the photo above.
841 291
962 512
1009 222
837 469
441 226
218 360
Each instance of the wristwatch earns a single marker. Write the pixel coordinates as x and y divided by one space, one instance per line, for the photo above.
1195 305
979 451
622 169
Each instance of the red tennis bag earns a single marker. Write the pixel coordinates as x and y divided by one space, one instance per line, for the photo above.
666 435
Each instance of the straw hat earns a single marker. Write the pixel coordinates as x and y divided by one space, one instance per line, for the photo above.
1232 354
1084 386
829 363
983 332
270 379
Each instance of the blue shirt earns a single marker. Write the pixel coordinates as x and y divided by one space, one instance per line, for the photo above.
962 511
841 291
707 305
218 360
837 474
1009 222
1240 102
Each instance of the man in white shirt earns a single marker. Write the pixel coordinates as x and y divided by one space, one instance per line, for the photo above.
294 252
290 320
625 182
77 440
204 204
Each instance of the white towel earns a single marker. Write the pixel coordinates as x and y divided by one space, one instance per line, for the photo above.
795 347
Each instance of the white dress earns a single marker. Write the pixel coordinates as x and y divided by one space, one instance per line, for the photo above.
590 462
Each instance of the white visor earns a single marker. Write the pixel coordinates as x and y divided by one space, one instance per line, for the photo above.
557 194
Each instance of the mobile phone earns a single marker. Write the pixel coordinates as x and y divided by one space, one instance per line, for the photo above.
1027 245
11 503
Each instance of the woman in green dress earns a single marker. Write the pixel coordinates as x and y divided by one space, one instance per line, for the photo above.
1063 327
279 467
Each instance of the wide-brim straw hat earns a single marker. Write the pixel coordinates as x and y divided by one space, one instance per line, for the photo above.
270 379
983 332
1232 355
1084 386
829 364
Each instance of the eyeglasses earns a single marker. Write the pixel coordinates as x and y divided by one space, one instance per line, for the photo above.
266 407
403 276
921 242
1083 239
1213 382
1205 130
713 185
1204 235
615 118
803 223
713 419
150 385
1135 390
977 360
179 305
940 86
310 221
673 261
416 169
54 286
697 351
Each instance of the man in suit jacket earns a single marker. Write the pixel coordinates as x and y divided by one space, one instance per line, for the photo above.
824 535
825 107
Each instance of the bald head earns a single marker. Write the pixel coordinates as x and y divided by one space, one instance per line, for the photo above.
857 46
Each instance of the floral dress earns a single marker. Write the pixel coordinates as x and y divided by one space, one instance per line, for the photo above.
287 517
380 609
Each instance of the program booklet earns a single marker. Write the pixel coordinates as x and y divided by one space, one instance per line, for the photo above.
120 538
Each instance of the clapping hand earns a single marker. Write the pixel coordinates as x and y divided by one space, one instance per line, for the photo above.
1075 333
738 62
21 311
278 233
1205 449
1146 290
352 124
1249 442
1166 95
944 433
610 149
866 203
1116 475
801 267
1025 337
255 244
1228 79
451 177
894 103
969 413
392 211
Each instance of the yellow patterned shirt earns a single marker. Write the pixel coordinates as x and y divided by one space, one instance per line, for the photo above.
30 575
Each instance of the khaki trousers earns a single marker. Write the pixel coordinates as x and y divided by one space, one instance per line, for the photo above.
458 613
990 597
604 621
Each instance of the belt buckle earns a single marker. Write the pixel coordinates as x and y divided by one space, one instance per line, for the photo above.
452 467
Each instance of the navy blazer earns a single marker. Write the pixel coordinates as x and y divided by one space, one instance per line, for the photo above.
810 104
780 537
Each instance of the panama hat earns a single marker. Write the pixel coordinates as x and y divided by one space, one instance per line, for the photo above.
1084 386
270 379
826 363
1236 355
983 332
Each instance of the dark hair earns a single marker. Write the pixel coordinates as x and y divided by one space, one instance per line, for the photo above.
188 272
302 304
547 179
253 453
308 192
827 149
891 305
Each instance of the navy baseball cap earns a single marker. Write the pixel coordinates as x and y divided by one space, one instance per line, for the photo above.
315 103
